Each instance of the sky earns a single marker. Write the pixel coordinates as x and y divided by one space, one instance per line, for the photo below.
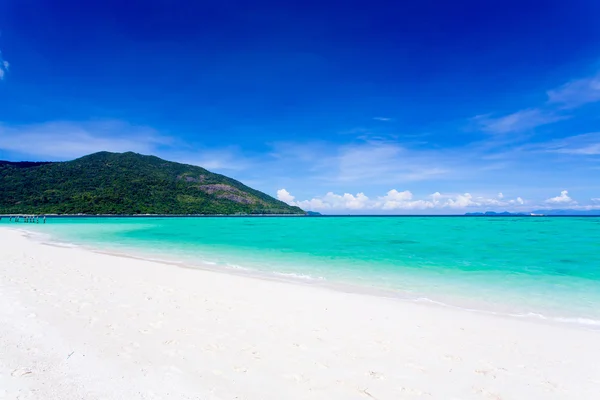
378 107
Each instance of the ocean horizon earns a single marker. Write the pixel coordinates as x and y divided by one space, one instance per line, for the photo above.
467 215
543 267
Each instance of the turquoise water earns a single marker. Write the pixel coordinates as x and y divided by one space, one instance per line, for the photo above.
535 266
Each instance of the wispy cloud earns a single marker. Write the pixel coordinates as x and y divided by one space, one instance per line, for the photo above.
369 164
559 102
576 93
374 161
517 122
304 152
585 145
388 162
382 119
65 140
346 172
4 66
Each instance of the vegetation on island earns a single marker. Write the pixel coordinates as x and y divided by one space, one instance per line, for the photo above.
127 183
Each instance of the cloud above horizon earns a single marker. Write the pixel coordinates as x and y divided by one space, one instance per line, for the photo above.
404 202
562 199
345 172
395 201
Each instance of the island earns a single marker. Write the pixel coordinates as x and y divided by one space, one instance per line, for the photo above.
107 183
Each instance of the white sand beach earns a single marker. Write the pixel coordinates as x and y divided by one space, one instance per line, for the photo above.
75 324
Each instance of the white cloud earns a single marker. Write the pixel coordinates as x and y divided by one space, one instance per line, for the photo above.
383 119
461 201
596 200
355 202
586 144
570 95
285 196
331 200
374 161
67 140
577 92
467 200
346 201
517 122
313 204
383 162
4 65
394 200
394 195
563 198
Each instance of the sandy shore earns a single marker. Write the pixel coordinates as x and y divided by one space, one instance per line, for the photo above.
75 324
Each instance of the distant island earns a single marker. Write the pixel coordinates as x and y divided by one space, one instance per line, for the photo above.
127 184
537 213
493 213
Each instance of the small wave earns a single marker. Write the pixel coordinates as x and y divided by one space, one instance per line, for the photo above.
235 266
45 238
32 234
529 315
426 300
569 320
63 244
299 276
581 321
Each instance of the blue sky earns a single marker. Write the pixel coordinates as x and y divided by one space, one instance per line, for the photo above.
356 107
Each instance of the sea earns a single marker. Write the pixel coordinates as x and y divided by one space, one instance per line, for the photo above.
545 268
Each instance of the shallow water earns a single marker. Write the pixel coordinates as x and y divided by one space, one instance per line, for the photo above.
535 266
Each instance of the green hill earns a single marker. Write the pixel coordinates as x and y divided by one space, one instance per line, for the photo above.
127 183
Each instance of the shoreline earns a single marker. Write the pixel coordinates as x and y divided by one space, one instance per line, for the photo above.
74 323
463 304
